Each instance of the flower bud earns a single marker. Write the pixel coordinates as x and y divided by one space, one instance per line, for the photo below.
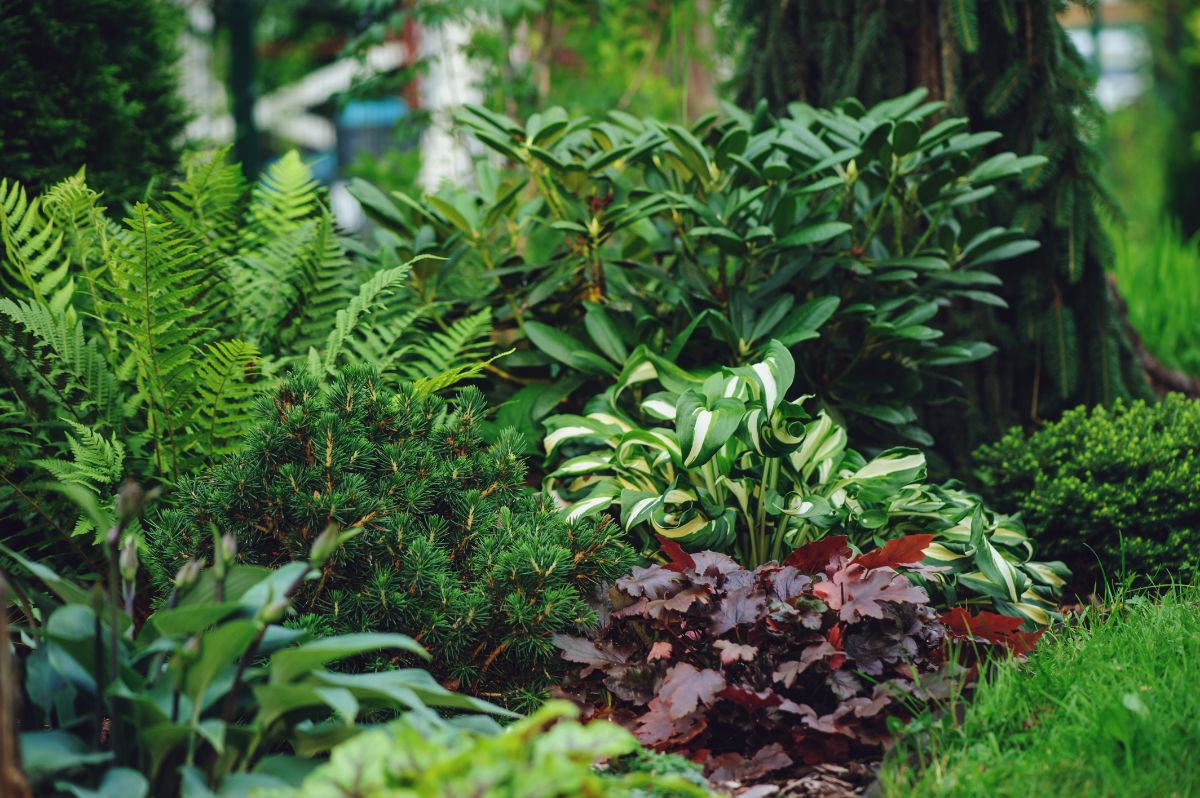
129 559
228 547
187 575
130 499
324 546
191 649
274 611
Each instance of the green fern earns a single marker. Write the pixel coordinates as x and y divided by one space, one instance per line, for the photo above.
210 201
31 243
286 195
966 23
73 370
351 318
96 463
466 342
222 407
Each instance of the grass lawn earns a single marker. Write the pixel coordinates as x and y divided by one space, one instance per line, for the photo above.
1110 707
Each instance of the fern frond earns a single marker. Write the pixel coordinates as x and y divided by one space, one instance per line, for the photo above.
451 377
965 18
267 283
222 407
467 341
371 295
387 339
326 285
159 297
210 201
96 463
285 196
73 369
31 243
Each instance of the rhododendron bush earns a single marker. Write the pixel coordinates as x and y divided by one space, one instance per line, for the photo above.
751 672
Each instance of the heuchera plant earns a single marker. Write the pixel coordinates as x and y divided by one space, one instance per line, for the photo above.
750 672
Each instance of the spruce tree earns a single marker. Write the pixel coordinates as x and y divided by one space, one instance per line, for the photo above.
451 547
1010 66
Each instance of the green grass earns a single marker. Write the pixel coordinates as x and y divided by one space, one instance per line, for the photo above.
1159 277
1110 707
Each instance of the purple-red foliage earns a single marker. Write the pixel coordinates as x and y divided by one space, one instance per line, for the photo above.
750 672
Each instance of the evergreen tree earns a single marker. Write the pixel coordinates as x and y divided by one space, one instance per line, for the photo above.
90 82
1009 65
451 547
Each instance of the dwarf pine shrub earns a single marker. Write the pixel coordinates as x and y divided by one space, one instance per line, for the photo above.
451 548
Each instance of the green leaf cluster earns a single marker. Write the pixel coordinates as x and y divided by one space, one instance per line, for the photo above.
548 755
447 544
159 332
728 462
211 695
1011 67
846 234
1119 481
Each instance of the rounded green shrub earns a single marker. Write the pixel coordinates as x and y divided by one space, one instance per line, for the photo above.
451 547
1124 481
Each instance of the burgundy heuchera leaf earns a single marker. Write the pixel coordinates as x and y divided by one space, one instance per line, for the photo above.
813 558
857 592
685 688
901 551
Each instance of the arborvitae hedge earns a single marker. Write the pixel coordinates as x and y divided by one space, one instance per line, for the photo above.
453 550
90 82
1124 481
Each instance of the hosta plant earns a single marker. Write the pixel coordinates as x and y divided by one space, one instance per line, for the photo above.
547 755
210 695
450 546
847 234
752 672
729 462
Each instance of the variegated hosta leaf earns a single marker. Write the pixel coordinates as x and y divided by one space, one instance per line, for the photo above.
771 378
596 502
702 429
823 445
567 429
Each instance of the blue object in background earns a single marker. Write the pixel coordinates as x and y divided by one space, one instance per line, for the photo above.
368 126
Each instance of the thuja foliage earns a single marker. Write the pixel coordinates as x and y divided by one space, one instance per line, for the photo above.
548 755
1120 481
736 462
752 672
448 544
137 347
210 695
1009 66
90 82
846 234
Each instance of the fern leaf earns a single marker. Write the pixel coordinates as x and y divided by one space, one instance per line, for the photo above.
451 377
31 243
370 295
325 284
966 23
467 341
96 463
74 370
222 407
286 195
209 202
